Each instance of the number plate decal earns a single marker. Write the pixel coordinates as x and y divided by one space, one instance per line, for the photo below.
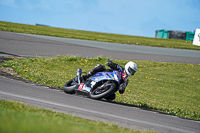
81 86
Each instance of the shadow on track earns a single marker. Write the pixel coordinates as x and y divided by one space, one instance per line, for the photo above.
146 107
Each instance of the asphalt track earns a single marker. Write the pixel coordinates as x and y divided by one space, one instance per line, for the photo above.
12 44
35 45
123 115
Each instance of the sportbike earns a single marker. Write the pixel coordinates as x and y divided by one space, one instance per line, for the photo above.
101 85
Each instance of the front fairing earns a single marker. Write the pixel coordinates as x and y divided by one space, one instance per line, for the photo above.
115 75
86 87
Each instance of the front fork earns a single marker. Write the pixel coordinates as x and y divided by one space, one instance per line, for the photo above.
78 74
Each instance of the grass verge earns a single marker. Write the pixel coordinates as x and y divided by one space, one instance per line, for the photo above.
19 118
96 36
168 87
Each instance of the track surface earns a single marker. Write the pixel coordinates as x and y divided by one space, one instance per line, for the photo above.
124 115
34 45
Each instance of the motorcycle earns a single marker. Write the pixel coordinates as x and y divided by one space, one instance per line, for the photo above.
101 85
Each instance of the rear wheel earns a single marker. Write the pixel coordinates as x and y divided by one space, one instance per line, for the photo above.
104 92
69 86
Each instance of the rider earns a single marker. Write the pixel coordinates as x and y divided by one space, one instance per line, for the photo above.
129 70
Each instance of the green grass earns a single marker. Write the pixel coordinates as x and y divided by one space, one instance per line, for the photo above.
173 88
96 36
19 118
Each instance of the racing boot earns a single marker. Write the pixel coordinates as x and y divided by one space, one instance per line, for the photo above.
96 69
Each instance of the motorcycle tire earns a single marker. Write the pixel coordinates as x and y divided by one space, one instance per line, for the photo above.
69 88
105 94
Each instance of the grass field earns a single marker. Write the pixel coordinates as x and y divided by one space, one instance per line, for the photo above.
20 118
168 87
173 88
96 36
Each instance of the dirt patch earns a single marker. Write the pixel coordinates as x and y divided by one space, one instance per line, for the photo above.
8 70
6 58
10 73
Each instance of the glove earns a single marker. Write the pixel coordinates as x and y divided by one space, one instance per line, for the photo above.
109 63
112 65
122 88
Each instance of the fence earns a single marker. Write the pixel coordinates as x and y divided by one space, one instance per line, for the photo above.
175 35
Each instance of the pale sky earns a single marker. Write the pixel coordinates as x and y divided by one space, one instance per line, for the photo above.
129 17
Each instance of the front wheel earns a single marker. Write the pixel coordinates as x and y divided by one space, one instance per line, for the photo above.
104 92
69 86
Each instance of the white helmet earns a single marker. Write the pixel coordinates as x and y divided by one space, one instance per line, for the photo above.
130 68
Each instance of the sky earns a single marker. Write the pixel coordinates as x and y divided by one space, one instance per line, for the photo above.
128 17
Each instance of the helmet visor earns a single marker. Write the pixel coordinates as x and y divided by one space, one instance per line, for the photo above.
131 71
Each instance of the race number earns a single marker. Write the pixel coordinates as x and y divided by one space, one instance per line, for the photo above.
81 86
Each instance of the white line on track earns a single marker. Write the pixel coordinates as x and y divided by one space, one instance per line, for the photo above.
94 112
